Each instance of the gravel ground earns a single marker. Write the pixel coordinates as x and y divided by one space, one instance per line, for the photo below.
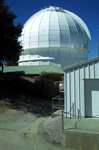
22 141
18 140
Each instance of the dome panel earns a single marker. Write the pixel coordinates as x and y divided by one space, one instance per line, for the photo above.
54 37
26 24
42 23
53 23
43 44
54 43
36 23
54 27
78 19
41 33
34 44
44 28
53 14
64 32
54 32
43 38
35 33
33 39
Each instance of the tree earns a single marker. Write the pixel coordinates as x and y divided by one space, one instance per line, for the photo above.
10 48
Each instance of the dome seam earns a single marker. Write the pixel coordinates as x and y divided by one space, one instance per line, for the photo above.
30 33
59 33
49 38
38 36
68 28
84 26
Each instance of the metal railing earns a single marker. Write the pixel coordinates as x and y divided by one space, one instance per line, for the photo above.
76 116
57 103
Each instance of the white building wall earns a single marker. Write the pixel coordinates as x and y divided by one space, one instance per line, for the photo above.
74 87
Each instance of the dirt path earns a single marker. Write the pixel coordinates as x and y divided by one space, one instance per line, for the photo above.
13 139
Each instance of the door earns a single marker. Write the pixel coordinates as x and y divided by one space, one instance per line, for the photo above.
92 98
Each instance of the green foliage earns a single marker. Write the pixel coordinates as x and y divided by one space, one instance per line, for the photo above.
9 46
45 86
52 76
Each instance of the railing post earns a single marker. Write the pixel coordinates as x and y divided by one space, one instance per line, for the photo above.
52 107
56 106
62 121
78 113
59 102
73 110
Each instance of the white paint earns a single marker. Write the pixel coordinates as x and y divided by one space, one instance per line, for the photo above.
83 80
53 29
92 97
95 103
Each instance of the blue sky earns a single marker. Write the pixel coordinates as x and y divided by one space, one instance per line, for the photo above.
87 10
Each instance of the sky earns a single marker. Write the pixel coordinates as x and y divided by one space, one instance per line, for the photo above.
87 10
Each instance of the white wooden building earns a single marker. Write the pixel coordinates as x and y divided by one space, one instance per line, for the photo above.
81 89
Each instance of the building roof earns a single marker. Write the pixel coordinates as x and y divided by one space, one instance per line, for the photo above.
80 64
32 69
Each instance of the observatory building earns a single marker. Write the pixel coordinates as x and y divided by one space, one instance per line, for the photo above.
54 36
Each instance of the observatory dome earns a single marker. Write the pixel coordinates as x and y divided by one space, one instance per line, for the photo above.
54 36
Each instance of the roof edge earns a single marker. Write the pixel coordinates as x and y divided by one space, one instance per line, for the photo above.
80 64
79 48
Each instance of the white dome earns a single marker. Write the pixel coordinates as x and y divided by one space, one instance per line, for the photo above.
54 27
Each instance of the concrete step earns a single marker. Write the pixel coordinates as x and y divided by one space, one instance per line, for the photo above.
33 127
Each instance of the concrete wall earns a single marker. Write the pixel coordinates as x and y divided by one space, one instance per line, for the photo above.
81 134
80 141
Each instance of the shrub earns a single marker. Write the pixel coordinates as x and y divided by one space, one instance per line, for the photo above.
45 86
52 76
